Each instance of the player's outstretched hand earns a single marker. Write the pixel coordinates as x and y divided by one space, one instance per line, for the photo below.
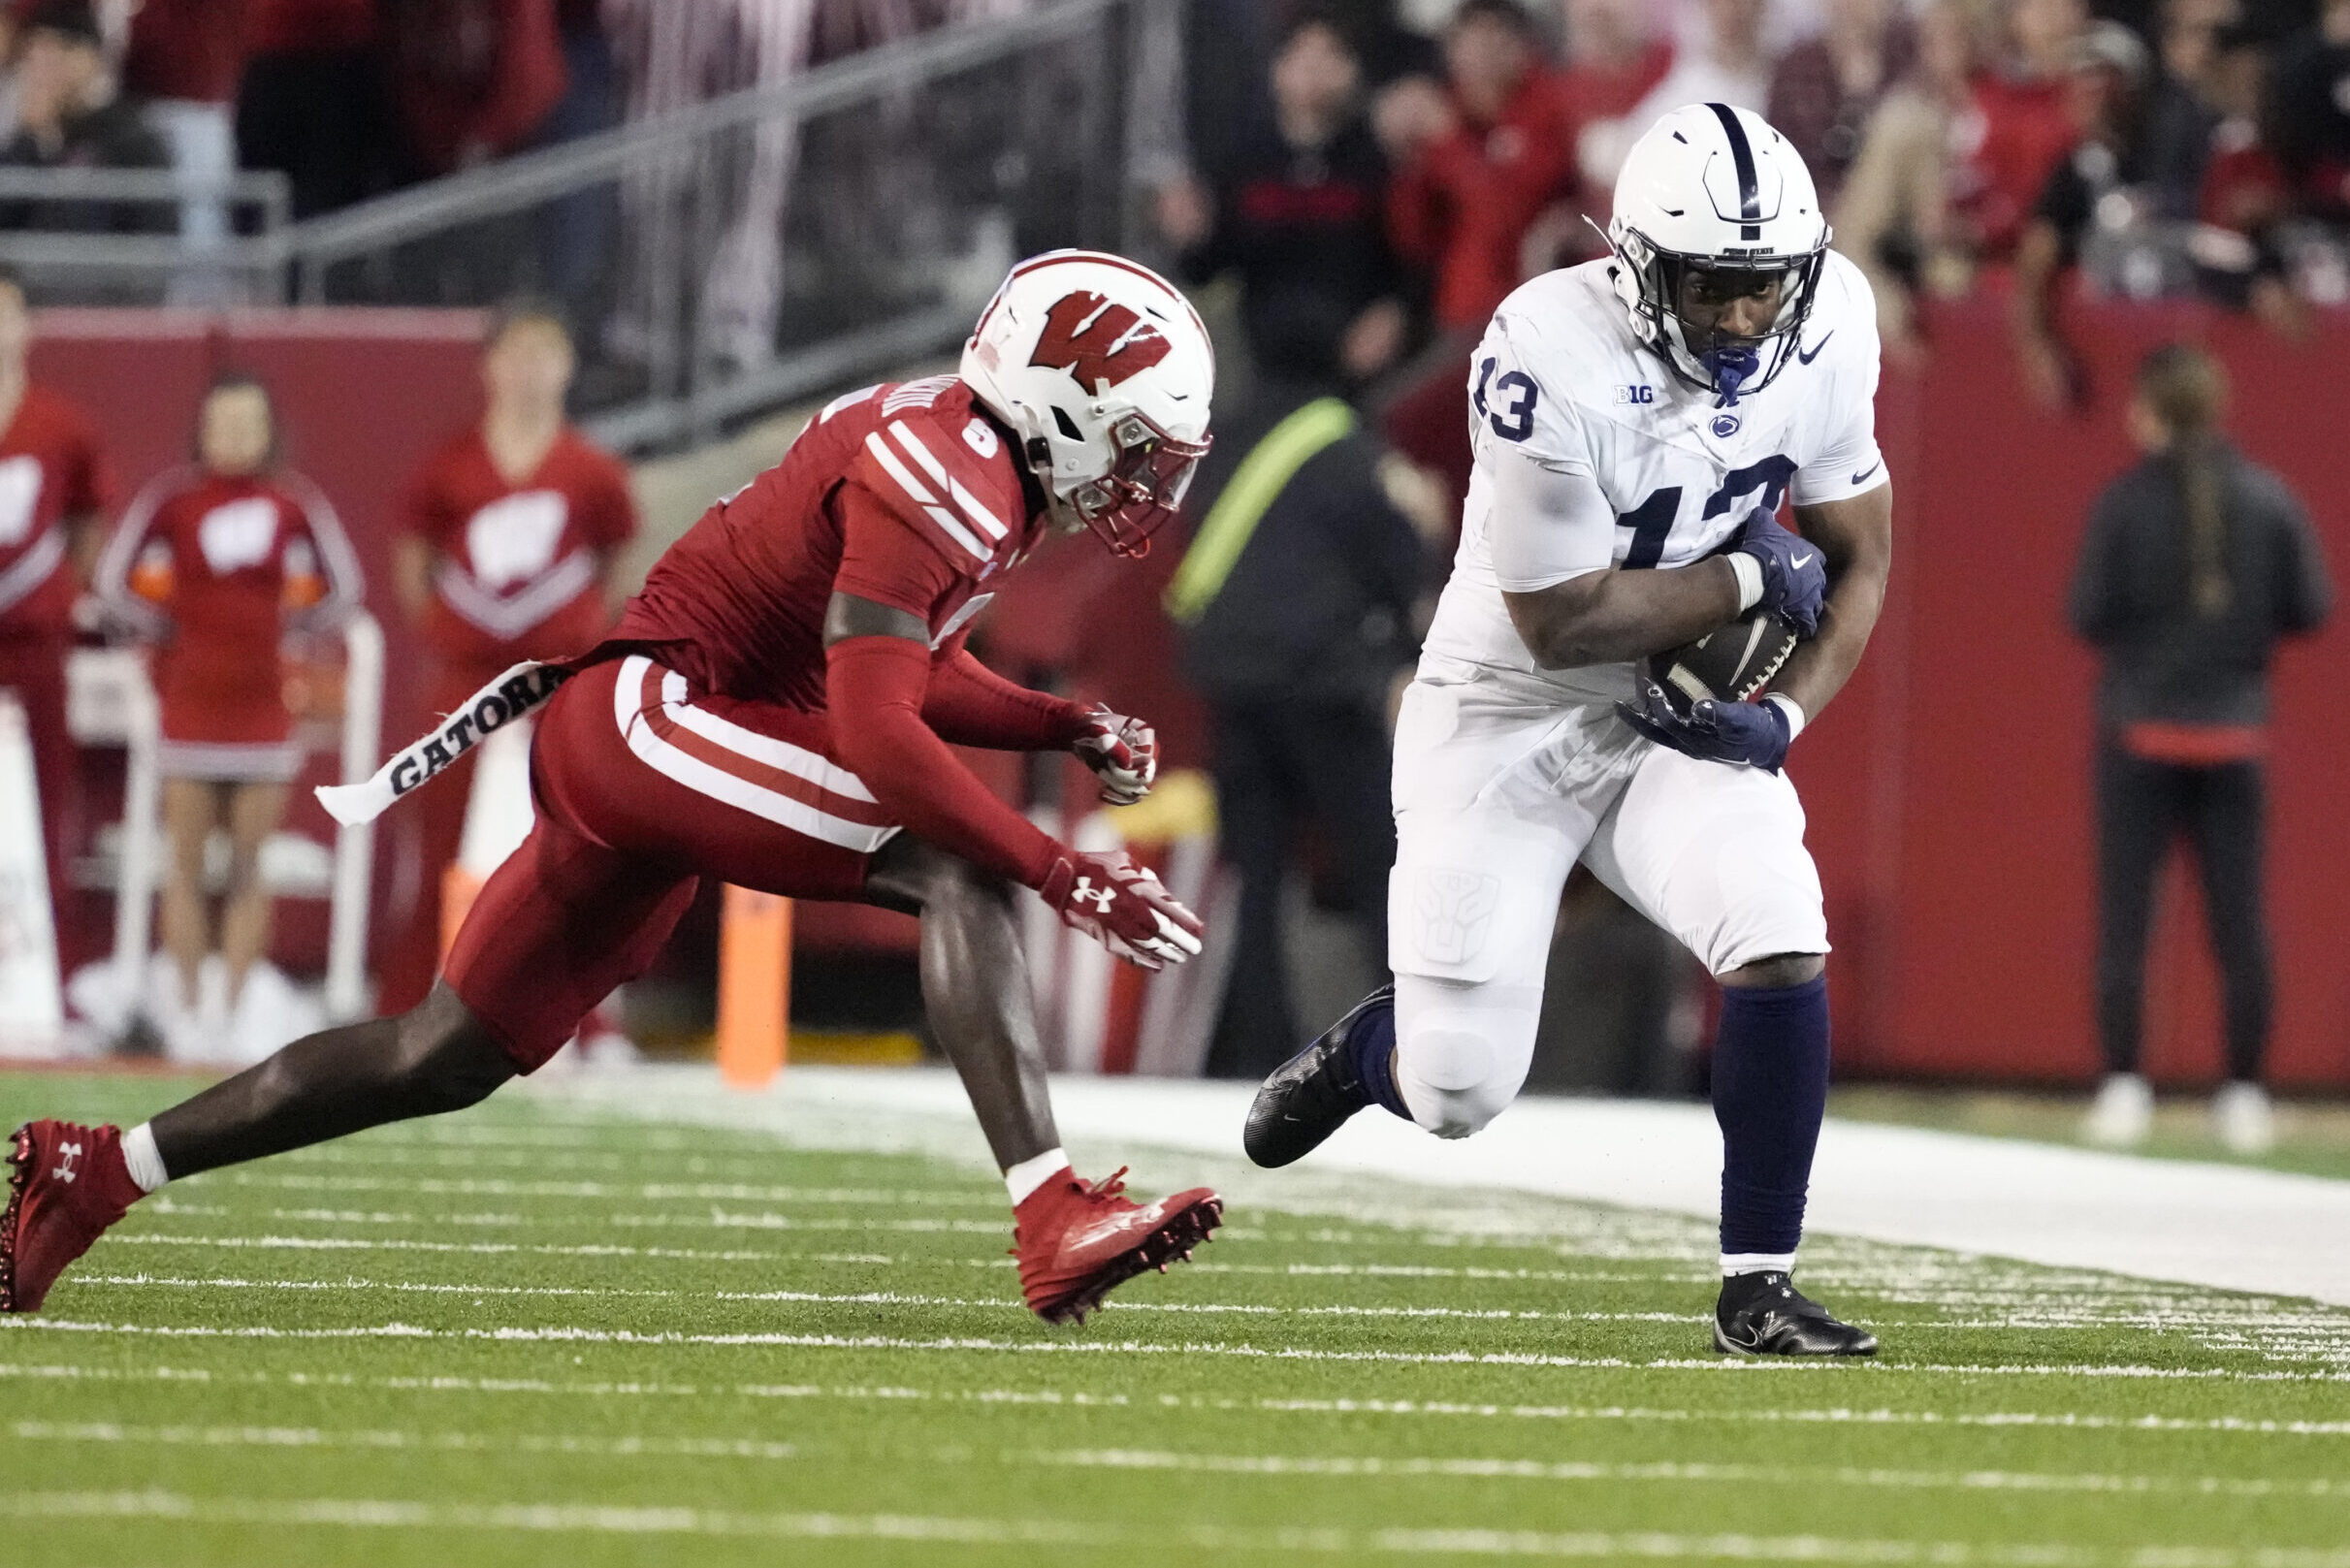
1123 753
1794 579
1742 734
1123 906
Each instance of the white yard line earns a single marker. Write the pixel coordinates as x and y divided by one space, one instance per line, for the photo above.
453 1384
191 1436
573 1335
1374 1466
1680 1473
652 1192
591 1519
2232 1227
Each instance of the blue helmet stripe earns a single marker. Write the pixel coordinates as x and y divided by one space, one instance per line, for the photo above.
1742 154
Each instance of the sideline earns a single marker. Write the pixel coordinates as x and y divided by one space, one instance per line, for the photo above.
2227 1227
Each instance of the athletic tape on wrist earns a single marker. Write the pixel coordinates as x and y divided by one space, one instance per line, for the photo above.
1793 708
1749 572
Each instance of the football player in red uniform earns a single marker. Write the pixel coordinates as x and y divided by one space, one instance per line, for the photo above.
211 562
513 531
775 710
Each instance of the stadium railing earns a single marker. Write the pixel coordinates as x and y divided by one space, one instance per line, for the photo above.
113 236
784 239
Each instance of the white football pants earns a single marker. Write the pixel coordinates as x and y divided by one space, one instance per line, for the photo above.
1500 788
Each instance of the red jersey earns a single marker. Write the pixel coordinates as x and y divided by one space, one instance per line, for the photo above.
50 472
520 568
2019 132
212 566
904 495
190 49
1463 207
307 26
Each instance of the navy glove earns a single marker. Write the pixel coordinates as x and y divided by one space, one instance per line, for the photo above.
1794 579
1742 734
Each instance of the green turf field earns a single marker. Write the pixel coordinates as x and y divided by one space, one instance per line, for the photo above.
536 1333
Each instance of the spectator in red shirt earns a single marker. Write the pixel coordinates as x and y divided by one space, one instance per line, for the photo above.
312 103
513 535
1612 63
210 564
2027 126
53 488
1477 164
471 80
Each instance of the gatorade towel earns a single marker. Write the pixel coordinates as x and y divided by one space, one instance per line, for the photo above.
513 694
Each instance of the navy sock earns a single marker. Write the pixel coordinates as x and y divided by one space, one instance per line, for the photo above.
1770 1094
1373 1039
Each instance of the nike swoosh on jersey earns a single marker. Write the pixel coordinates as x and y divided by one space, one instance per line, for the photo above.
1870 469
1807 359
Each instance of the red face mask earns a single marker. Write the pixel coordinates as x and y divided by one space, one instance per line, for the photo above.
1144 488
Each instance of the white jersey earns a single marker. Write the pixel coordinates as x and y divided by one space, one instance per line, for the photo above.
1591 454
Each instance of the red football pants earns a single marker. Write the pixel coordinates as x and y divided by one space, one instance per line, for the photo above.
642 787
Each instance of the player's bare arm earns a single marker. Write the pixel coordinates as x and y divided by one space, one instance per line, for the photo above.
1606 617
1856 538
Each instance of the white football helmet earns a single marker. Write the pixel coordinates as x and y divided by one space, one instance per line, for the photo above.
1106 373
1715 188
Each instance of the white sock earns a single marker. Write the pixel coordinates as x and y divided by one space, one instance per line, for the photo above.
139 1152
1030 1174
1757 1262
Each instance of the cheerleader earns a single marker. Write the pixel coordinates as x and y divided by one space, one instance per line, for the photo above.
211 564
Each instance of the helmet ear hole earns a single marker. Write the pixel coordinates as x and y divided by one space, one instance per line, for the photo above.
1068 426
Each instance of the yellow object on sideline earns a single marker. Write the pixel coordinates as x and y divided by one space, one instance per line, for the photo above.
754 987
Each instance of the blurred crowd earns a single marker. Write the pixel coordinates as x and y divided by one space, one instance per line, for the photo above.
1392 171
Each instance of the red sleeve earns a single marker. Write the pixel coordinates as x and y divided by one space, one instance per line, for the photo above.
610 510
425 510
884 559
875 688
969 704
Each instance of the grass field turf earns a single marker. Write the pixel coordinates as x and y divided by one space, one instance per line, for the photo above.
536 1333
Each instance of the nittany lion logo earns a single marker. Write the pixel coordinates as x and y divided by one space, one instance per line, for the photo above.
1096 342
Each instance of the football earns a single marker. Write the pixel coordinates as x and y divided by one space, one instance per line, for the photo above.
1734 664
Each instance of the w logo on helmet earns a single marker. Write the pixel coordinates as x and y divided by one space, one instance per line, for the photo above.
1097 341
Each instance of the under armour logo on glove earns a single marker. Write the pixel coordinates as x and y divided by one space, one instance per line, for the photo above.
1121 906
1123 753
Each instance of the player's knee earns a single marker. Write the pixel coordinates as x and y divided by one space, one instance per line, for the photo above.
448 1058
1462 1051
1776 973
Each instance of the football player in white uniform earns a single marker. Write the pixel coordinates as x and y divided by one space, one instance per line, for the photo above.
1638 421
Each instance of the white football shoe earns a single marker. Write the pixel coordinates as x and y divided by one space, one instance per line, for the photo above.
2123 1114
2242 1119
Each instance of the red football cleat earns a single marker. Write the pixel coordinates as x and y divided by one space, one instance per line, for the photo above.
66 1184
1077 1242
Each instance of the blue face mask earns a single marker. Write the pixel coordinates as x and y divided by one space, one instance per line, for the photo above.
1730 368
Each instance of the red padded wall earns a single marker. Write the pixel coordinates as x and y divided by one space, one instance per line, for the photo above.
1949 788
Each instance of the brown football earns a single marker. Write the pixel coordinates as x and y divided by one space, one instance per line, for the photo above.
1734 664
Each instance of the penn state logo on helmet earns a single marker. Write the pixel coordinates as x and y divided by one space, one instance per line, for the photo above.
1104 372
1714 189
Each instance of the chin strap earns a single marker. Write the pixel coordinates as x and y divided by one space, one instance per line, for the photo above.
1730 368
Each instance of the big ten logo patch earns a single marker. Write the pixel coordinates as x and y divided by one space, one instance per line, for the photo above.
1454 909
19 498
237 534
513 540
